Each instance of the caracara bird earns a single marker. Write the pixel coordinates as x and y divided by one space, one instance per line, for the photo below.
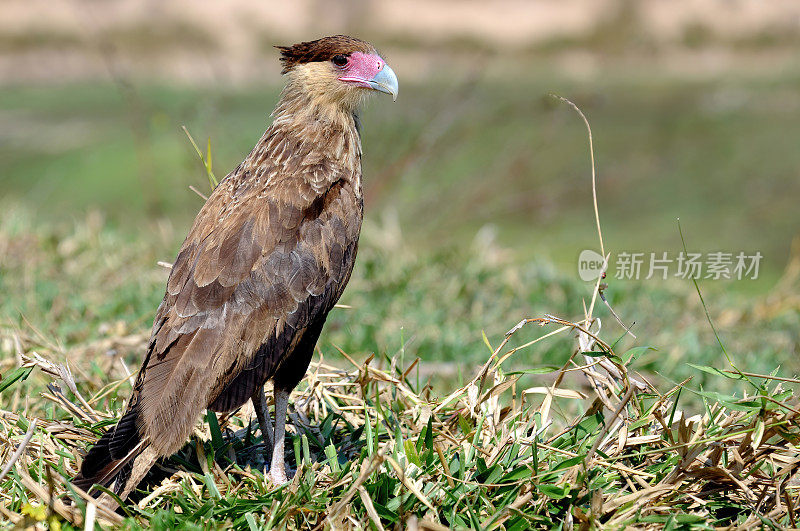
266 259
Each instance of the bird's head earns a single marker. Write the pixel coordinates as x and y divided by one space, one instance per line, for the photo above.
337 70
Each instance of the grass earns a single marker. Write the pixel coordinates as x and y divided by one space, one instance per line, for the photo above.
377 447
421 410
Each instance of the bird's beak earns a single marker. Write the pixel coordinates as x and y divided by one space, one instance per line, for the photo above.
385 81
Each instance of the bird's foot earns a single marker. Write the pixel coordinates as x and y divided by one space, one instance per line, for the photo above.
278 478
278 475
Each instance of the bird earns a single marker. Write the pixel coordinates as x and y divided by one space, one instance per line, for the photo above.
266 259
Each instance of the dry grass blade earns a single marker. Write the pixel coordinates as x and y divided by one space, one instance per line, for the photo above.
20 449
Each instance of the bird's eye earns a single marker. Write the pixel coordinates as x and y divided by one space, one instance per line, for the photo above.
339 60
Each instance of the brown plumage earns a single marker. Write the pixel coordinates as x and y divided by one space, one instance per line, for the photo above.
266 259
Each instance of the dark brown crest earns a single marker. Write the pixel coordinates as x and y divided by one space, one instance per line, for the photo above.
321 50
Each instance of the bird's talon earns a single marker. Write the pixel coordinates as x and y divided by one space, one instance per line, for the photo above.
279 479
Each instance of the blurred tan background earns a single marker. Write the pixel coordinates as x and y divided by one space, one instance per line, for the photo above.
202 40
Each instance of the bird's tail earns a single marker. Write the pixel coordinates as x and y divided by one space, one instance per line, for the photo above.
110 461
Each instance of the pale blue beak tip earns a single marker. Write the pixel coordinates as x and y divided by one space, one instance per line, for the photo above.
385 81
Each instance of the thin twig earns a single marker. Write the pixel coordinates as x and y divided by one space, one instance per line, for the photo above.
20 449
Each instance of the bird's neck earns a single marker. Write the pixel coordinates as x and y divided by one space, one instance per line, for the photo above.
311 128
303 107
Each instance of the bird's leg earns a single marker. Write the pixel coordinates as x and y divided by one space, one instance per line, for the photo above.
262 413
277 469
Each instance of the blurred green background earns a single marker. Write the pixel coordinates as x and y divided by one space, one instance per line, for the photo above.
477 182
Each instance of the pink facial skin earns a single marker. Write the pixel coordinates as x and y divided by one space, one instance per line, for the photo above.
361 67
